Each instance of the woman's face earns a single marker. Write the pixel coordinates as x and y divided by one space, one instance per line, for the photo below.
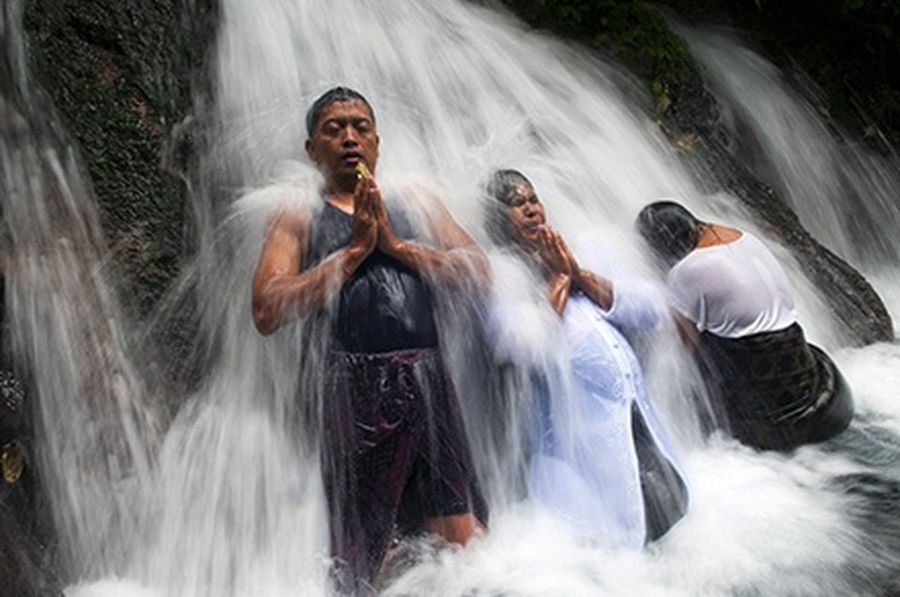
526 215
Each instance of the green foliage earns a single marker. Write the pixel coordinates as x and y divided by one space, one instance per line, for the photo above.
640 37
632 32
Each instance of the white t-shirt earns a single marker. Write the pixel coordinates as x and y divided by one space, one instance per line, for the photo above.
733 290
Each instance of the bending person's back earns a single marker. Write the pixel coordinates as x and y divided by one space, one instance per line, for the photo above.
773 389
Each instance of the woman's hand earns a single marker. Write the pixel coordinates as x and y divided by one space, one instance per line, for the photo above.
555 253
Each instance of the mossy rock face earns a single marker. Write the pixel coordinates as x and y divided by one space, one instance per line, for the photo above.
24 563
633 33
124 77
850 48
119 73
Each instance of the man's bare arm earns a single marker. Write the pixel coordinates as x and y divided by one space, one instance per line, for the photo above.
282 292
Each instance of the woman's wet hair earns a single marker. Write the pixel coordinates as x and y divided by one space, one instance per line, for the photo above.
503 183
500 190
670 229
335 94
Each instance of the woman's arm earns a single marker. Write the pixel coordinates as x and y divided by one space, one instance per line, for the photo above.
558 288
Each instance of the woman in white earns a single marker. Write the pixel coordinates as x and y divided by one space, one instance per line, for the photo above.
735 307
600 459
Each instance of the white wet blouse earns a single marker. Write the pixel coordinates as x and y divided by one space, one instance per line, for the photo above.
733 290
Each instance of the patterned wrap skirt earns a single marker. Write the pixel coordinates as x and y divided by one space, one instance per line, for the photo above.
775 391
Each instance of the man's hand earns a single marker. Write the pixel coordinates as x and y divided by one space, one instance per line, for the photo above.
388 243
365 224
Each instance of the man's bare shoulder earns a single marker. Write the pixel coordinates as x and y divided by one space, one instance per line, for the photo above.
288 202
294 220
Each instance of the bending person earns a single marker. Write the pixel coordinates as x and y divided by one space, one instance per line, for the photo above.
393 444
735 307
600 459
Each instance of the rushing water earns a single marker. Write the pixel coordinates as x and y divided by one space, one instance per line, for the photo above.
95 429
843 192
226 500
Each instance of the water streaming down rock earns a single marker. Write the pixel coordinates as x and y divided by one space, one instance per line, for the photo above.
843 191
95 431
230 504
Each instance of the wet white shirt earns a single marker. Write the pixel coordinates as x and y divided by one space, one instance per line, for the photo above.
733 290
588 475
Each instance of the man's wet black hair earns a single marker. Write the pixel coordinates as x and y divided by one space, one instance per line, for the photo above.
335 94
670 229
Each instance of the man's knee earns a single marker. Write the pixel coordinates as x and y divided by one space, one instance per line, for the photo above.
457 528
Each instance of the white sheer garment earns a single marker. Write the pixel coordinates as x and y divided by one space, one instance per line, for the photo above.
584 468
733 290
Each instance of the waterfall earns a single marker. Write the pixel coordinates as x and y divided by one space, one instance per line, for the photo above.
96 428
225 500
842 191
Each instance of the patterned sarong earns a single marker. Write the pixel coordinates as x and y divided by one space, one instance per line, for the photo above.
394 453
775 390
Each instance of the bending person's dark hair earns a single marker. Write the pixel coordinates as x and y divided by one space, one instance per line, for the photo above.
670 230
335 94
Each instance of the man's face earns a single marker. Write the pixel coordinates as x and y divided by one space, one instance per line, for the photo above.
343 137
526 215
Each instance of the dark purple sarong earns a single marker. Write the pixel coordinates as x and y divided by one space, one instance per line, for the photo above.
394 452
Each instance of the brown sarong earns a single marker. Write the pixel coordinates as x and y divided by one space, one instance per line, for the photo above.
777 392
394 452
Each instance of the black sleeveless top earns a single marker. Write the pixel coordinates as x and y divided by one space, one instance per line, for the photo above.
385 305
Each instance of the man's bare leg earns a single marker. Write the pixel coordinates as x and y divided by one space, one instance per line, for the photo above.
458 528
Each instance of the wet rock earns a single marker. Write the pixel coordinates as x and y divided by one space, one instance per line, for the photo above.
24 564
111 70
13 422
125 78
849 49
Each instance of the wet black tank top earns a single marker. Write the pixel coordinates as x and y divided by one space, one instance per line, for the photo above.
385 305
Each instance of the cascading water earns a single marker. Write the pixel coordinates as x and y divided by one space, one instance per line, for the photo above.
94 427
843 192
229 501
